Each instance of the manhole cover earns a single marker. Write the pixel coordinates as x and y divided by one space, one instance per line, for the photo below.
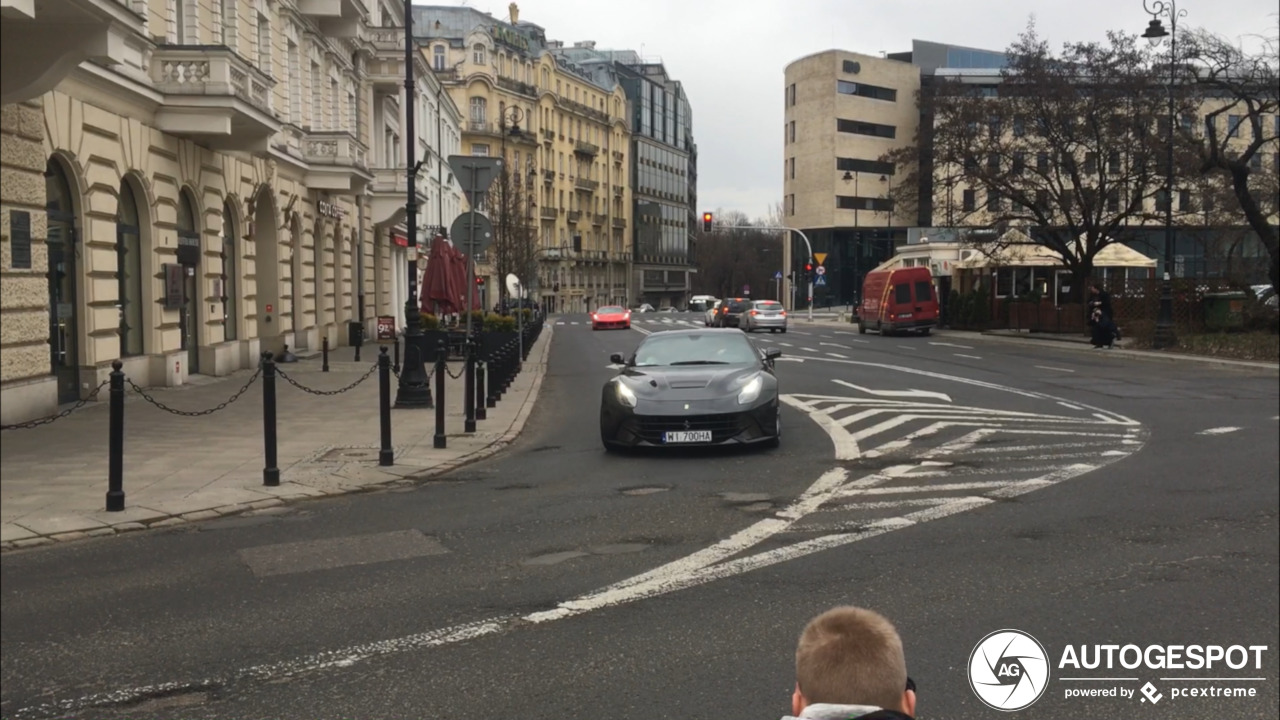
649 490
350 455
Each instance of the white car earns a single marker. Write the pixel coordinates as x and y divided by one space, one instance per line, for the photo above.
709 317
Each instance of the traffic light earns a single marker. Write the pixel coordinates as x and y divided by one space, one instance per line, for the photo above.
479 281
808 271
706 222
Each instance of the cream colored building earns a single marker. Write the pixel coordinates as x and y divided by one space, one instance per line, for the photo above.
843 112
573 147
196 180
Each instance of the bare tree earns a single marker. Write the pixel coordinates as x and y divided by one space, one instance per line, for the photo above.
510 207
1244 90
729 259
1070 147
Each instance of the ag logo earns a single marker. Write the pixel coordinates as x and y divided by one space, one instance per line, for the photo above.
1008 670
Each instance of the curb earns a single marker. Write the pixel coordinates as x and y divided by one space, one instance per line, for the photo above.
274 504
1169 357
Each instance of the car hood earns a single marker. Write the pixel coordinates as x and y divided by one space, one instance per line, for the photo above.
688 382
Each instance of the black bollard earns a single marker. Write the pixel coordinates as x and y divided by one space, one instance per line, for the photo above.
469 387
115 440
324 348
395 361
385 456
481 413
440 441
270 470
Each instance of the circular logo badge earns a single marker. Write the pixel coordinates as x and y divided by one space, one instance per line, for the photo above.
1008 670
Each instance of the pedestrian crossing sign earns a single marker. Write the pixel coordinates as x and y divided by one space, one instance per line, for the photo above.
821 281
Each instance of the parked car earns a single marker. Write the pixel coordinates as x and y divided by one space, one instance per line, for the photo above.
900 299
642 308
765 315
730 312
709 317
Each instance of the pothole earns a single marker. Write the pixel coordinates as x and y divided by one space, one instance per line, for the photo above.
644 490
740 497
619 548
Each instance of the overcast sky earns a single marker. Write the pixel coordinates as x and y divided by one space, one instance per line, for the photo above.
731 55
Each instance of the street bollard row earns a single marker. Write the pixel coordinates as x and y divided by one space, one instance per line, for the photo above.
487 379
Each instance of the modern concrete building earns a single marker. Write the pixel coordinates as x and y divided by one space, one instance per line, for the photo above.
845 111
664 174
572 151
189 183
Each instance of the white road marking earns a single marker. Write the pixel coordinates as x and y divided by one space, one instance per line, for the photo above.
971 357
1219 430
896 393
791 359
706 565
1069 406
808 349
838 355
827 344
1050 367
947 344
908 347
785 344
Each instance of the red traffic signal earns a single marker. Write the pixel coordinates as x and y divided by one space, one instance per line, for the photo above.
479 281
706 222
808 267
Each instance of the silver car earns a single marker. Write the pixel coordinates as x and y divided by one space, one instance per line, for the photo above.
764 315
709 317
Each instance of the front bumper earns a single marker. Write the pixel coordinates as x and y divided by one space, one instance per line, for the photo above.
626 427
607 324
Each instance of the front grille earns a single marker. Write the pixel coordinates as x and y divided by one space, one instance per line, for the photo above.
722 427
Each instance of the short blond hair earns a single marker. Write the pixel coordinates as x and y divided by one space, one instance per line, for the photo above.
850 655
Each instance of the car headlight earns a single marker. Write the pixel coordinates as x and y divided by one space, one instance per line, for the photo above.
626 395
750 391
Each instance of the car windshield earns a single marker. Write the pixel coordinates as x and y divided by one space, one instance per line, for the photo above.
610 310
713 348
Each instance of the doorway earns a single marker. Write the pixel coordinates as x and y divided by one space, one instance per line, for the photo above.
189 322
63 271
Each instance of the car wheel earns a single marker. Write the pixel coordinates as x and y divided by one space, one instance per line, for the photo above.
783 330
862 328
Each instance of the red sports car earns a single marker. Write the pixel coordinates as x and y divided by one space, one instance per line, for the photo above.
611 316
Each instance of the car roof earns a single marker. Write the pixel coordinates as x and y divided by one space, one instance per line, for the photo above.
698 331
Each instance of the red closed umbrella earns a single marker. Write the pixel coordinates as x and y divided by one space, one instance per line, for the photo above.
437 292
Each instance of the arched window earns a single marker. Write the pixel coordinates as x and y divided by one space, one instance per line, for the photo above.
129 272
479 110
230 284
477 54
63 272
437 57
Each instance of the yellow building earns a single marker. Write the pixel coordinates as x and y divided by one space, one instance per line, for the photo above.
573 146
194 180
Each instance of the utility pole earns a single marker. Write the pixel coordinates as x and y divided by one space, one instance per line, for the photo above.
413 390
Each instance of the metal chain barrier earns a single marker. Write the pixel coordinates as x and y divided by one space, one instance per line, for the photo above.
461 370
57 416
196 413
372 369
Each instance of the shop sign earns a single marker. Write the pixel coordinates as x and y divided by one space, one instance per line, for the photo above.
329 210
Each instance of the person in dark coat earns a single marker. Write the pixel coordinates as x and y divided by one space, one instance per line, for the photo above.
1101 320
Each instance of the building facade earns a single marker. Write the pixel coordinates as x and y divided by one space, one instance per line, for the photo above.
663 174
845 111
569 157
189 185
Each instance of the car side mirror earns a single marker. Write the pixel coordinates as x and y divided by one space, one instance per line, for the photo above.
617 359
772 353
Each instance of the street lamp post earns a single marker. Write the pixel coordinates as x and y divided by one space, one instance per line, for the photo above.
1164 334
413 390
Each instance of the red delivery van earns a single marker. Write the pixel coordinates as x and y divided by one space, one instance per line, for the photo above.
899 299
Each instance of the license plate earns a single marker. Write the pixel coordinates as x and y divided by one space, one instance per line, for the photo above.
687 436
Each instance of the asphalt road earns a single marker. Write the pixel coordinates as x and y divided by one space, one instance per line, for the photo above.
958 485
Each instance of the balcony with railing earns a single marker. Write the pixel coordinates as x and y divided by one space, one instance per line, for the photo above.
338 162
548 135
586 184
548 176
618 156
499 131
599 219
618 190
549 213
213 96
583 147
575 216
619 222
516 86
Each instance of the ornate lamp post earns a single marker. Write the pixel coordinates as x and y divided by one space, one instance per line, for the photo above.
413 390
1164 335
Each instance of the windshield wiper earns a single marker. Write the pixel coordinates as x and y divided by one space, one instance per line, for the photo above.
700 362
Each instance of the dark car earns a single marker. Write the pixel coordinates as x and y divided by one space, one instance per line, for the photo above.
731 311
692 387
